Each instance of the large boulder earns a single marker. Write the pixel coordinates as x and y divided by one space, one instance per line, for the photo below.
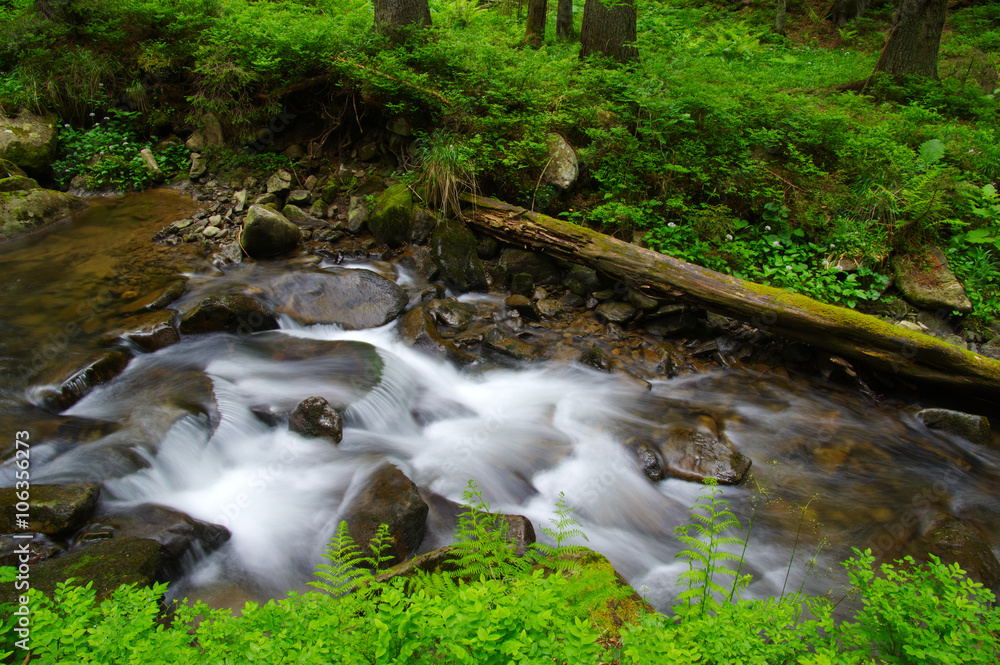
29 142
107 565
389 220
22 211
237 314
388 497
267 232
53 509
454 251
352 299
926 280
563 167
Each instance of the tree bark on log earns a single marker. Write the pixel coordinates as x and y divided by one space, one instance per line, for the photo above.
836 329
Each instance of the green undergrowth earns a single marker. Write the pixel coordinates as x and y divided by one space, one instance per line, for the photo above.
488 605
721 140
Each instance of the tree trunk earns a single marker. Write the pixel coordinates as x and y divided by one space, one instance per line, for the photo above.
842 331
564 19
779 17
847 10
394 17
609 32
534 33
913 43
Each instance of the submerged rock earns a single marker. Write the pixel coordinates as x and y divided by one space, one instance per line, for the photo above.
352 299
314 418
150 331
388 497
451 312
74 384
54 509
509 344
419 331
236 314
966 425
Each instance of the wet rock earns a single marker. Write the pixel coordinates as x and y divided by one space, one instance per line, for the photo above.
641 301
236 314
692 455
648 461
268 233
615 312
199 166
451 312
318 209
24 211
522 306
965 425
178 536
673 320
149 331
388 497
507 343
453 250
488 248
522 284
212 232
74 385
389 220
39 548
571 301
314 418
280 183
582 280
596 358
29 141
550 309
352 299
107 565
299 198
954 540
991 349
357 214
541 268
299 217
54 509
926 280
421 225
418 331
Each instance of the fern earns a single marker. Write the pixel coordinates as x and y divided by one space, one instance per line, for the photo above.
348 570
565 526
482 544
711 517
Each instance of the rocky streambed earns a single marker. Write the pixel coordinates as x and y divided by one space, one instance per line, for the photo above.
213 417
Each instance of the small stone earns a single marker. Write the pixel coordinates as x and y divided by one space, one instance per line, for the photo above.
211 231
314 418
279 183
299 197
615 312
215 220
199 166
522 284
522 306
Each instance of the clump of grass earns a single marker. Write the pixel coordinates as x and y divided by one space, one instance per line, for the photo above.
446 170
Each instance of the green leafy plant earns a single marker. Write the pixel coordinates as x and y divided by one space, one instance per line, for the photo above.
446 169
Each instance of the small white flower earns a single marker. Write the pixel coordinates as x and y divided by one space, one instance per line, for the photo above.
66 125
671 225
788 267
107 118
767 228
832 245
729 236
92 114
776 243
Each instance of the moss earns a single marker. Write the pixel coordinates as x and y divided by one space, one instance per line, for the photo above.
390 216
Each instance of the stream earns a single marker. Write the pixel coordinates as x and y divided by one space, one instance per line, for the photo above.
181 427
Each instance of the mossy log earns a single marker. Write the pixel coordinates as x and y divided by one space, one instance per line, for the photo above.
852 334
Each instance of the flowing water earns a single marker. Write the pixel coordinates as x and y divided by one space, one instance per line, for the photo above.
181 428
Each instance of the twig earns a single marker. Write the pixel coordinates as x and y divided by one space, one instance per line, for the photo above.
781 179
433 93
539 183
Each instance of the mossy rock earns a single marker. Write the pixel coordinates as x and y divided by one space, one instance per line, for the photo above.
75 382
107 565
16 183
9 168
454 251
389 220
267 233
54 509
30 142
25 211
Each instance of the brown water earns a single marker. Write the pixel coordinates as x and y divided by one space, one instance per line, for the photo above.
177 428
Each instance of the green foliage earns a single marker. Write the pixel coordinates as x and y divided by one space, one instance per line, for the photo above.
107 153
446 169
564 525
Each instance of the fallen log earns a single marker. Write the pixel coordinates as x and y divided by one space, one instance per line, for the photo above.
852 334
